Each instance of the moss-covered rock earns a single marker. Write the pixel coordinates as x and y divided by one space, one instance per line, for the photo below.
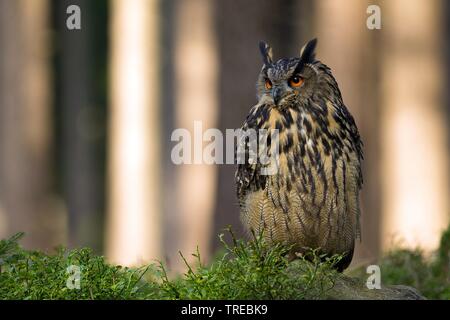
348 288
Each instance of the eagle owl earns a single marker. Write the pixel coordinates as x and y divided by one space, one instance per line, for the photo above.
311 201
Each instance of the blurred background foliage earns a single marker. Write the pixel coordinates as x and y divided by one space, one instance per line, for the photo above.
428 272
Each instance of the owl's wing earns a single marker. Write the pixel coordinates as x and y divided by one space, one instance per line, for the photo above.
243 177
356 141
358 146
246 174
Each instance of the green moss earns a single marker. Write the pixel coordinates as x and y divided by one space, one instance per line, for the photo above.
35 275
243 270
253 270
246 270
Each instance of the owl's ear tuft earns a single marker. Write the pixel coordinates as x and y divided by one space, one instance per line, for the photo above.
308 54
266 52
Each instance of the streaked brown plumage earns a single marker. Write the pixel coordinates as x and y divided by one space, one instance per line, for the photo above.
313 199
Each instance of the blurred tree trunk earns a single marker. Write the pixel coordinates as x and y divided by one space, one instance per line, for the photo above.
134 195
348 47
415 164
170 216
81 61
196 73
26 199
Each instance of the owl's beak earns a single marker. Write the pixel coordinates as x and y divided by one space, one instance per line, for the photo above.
277 94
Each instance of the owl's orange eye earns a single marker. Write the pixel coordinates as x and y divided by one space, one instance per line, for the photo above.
296 81
268 84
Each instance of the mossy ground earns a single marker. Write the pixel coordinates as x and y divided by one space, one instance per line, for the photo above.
245 270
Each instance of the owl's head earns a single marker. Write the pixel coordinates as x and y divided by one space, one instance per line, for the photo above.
290 80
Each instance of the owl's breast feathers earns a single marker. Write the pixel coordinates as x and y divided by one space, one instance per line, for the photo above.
313 198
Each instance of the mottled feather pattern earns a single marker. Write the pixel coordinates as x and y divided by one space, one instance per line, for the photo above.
313 199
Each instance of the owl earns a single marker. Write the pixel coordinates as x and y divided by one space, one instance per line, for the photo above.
311 200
